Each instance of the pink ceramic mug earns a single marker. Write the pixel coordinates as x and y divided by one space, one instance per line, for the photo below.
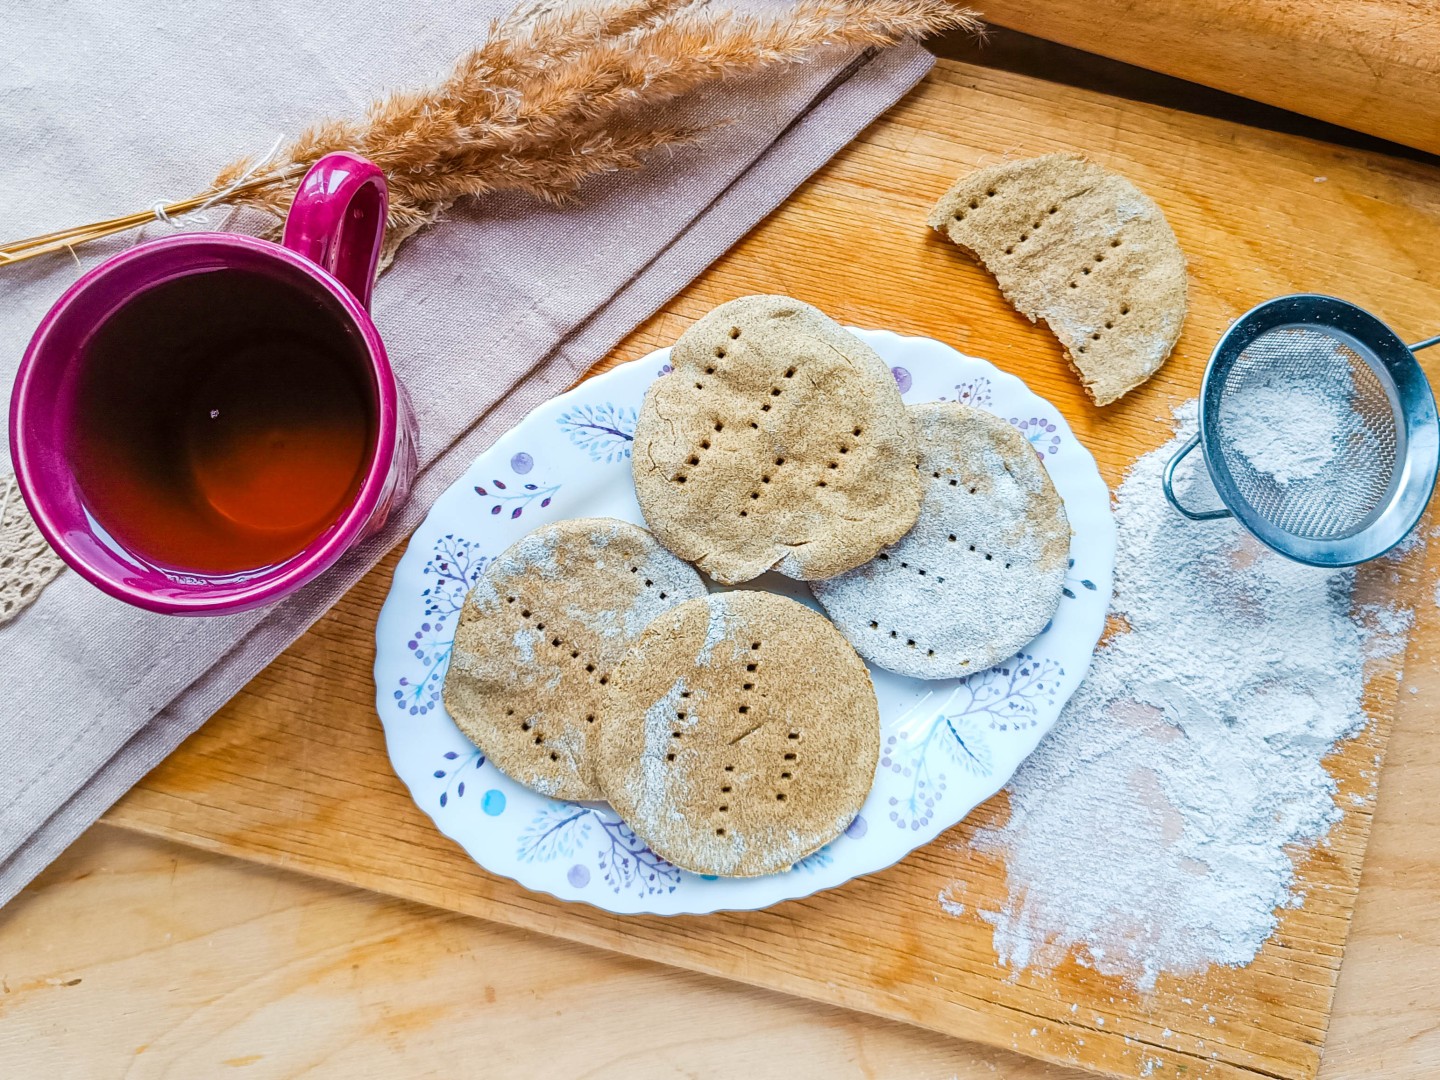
330 248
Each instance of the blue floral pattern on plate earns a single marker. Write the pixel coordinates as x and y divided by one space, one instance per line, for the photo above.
975 392
622 861
945 746
1041 433
605 431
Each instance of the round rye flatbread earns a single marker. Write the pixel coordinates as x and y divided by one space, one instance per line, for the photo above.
982 571
741 734
540 636
1083 249
779 441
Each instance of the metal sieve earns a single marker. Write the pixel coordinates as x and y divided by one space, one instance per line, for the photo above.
1319 431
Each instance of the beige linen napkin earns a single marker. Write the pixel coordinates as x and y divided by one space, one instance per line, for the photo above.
105 106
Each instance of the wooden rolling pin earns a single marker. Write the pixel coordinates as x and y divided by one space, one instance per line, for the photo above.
1370 65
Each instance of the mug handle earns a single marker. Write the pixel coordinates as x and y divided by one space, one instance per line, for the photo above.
338 220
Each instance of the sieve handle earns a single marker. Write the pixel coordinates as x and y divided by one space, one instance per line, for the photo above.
1168 482
1425 344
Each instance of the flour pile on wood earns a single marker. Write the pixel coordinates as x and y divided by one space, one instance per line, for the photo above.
1151 831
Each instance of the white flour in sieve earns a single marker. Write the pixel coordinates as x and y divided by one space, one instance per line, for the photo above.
1287 428
1151 831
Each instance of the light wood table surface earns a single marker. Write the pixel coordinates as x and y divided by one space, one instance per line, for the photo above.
138 957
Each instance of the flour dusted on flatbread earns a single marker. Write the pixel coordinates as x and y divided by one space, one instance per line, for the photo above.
1083 249
741 734
779 441
540 636
983 569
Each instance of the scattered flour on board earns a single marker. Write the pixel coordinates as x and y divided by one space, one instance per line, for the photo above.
1389 629
1151 830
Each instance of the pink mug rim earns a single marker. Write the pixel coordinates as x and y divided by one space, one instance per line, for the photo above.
301 568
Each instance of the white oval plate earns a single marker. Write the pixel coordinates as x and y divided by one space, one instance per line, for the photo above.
945 746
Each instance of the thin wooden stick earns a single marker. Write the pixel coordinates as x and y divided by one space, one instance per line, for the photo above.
76 230
20 250
69 243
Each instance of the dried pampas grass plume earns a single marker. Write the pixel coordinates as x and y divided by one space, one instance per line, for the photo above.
551 99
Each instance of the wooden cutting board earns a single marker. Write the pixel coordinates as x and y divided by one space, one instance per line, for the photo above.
293 772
